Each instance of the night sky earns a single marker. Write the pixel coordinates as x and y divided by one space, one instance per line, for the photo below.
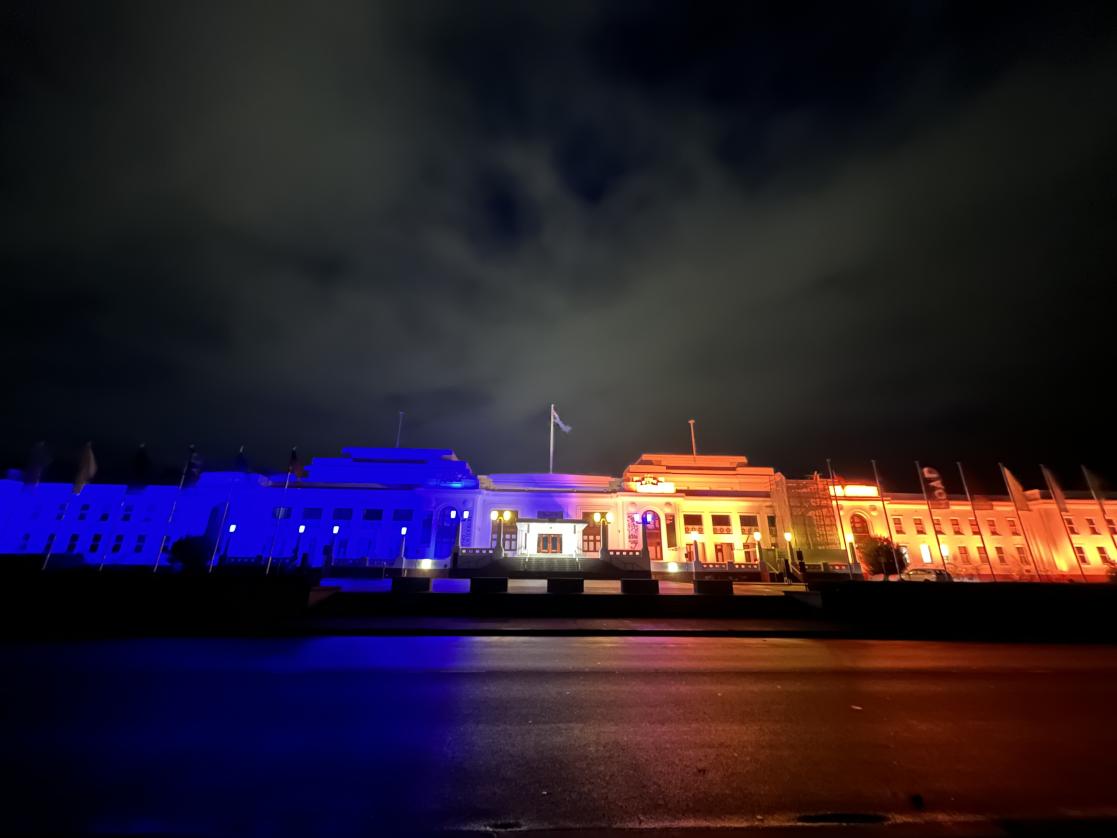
842 230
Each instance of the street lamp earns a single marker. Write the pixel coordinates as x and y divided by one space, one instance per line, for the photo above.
402 544
759 557
298 541
850 549
608 519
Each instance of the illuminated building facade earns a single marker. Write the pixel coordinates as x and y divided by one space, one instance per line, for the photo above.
424 509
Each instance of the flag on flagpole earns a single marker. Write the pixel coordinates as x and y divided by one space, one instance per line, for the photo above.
555 418
1015 491
1053 487
87 468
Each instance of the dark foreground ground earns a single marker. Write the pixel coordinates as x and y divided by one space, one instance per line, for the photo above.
386 735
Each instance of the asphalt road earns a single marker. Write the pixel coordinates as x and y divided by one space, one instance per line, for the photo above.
379 735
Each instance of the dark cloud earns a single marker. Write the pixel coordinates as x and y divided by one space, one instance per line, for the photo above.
853 230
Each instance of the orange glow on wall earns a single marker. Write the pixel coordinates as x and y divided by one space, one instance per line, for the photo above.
854 490
653 485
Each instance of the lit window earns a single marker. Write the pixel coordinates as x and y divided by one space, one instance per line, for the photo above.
992 523
1092 525
955 526
898 525
919 528
1071 527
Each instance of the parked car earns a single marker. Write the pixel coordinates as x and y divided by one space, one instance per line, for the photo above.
925 574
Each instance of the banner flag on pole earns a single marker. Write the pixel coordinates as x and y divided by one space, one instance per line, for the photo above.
934 489
562 425
87 468
1053 487
1016 491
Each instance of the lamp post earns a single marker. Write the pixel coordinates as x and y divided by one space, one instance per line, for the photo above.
645 553
760 557
333 543
402 545
850 553
298 543
229 540
603 522
790 558
501 517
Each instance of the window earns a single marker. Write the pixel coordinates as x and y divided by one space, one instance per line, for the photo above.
669 524
938 526
1001 554
773 530
281 512
95 542
721 524
139 548
549 515
974 528
61 512
402 514
312 513
1080 551
373 515
898 525
693 522
1012 526
117 543
1112 525
964 554
550 543
126 515
83 513
992 522
1103 555
1071 525
343 514
919 528
104 516
1092 525
983 555
591 538
1022 553
749 523
858 524
723 553
72 545
955 526
50 543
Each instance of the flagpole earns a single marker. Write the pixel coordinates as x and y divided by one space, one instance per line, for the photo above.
282 506
887 520
1020 517
931 514
977 520
551 461
399 428
1101 505
174 503
838 511
1060 508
